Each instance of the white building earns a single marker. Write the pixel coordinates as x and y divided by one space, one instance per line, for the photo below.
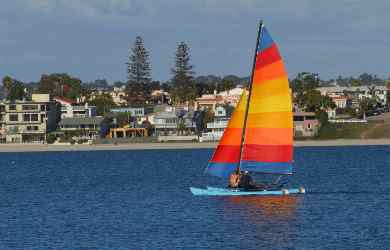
360 92
28 121
119 96
70 109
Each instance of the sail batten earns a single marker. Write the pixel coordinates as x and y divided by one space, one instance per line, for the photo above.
268 143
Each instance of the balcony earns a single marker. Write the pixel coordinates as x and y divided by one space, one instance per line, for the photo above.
217 124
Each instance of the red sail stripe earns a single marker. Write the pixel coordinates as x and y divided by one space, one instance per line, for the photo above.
268 56
268 153
226 154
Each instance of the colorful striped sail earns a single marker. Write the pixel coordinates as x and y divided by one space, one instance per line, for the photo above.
268 142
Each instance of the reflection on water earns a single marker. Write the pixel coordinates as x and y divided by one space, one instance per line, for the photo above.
271 219
268 206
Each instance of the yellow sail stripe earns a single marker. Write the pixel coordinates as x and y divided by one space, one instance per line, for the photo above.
275 103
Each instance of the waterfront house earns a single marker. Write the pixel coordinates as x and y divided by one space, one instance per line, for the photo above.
119 96
28 121
231 96
70 108
208 101
342 102
305 124
216 128
84 128
173 122
357 92
2 123
161 97
139 112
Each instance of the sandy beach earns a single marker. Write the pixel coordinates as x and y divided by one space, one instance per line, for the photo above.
177 145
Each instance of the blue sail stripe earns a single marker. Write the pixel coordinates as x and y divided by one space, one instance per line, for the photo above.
222 170
265 40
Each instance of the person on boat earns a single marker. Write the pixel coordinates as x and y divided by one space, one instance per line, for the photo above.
246 182
234 179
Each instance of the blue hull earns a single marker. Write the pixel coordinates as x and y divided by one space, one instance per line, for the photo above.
213 191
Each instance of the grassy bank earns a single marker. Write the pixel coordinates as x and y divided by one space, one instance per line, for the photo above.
372 129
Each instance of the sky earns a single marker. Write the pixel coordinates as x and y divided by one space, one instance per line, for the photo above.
90 39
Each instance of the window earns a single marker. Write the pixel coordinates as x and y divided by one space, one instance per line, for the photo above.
43 107
26 117
12 107
13 117
32 128
310 117
30 117
298 118
30 107
34 117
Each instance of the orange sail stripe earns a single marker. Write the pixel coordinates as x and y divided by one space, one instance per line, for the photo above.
237 120
269 136
269 72
231 136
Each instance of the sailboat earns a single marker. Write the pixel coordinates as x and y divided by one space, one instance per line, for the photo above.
259 134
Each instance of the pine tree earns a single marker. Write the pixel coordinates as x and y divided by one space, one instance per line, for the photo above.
138 69
8 83
14 89
184 88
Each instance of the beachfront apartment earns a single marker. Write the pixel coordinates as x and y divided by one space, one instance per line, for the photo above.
28 121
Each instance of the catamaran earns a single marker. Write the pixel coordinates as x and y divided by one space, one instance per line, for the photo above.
259 135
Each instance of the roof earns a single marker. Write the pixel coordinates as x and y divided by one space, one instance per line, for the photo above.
65 99
81 121
165 115
304 113
209 98
340 97
352 89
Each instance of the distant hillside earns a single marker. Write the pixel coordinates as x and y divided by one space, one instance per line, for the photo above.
211 79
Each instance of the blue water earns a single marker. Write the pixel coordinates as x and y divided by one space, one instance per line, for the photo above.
141 200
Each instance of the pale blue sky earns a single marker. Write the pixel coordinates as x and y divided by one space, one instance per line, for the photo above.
90 39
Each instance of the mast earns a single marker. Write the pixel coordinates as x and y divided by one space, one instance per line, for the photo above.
250 93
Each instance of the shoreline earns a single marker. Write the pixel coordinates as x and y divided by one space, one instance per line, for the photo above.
15 148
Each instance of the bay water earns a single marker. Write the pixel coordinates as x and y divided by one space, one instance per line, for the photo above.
140 199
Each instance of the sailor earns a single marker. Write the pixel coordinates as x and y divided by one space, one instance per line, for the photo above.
246 181
234 179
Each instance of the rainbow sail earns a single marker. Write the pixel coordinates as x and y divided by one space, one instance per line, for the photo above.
267 146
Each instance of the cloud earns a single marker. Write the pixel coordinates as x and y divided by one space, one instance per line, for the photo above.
90 36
